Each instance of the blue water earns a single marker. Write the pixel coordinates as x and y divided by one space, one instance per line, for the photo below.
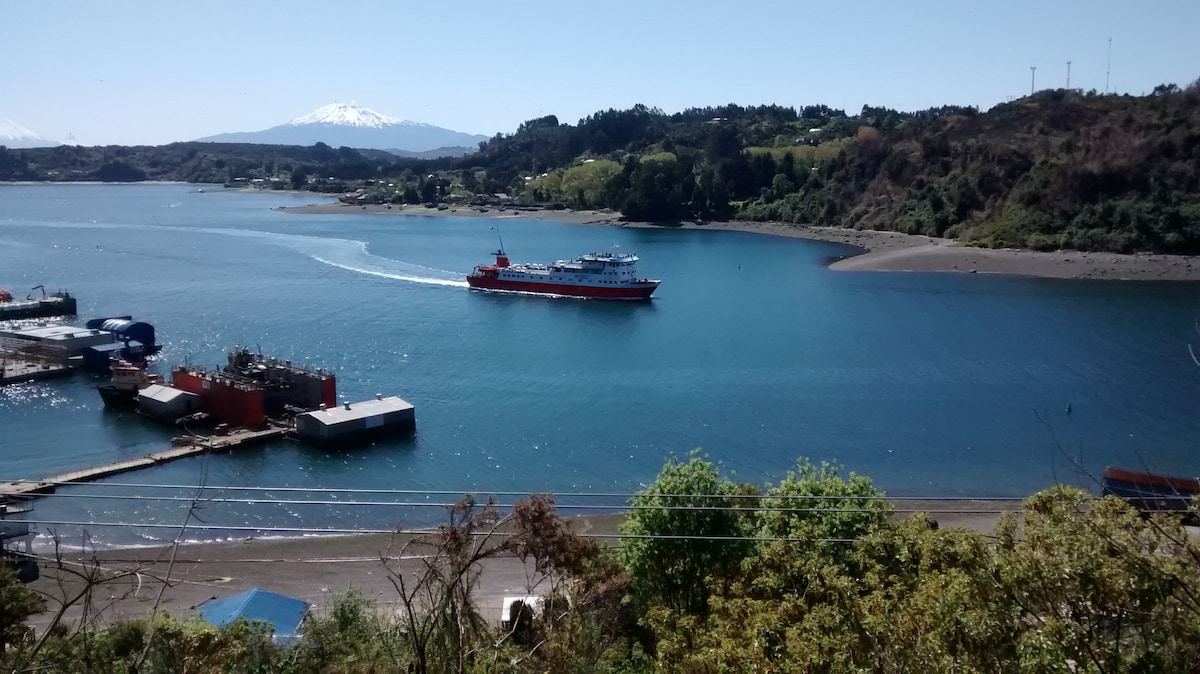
932 384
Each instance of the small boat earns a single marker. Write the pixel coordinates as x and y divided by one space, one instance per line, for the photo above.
1151 493
127 379
599 275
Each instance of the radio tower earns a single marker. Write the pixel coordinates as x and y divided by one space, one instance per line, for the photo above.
1032 78
1068 75
1108 68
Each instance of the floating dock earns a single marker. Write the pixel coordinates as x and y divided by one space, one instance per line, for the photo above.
10 491
58 304
23 360
16 371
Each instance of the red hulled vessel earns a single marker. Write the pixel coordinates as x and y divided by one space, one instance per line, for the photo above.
602 275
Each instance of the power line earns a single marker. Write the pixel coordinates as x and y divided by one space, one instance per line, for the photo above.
426 504
422 532
480 492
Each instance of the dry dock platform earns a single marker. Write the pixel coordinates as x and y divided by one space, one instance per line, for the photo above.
22 489
15 371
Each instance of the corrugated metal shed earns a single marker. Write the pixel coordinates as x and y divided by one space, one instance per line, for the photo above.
283 614
163 394
361 410
51 331
164 402
354 422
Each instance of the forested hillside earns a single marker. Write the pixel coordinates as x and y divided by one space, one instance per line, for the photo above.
1056 170
1059 169
284 165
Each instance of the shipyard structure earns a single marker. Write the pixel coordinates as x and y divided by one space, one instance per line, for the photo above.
57 350
253 391
57 304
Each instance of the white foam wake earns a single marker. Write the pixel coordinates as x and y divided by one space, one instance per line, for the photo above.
392 269
347 254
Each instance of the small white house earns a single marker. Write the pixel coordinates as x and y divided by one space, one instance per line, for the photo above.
513 605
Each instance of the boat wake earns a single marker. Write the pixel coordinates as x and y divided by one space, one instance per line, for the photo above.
365 263
352 255
347 254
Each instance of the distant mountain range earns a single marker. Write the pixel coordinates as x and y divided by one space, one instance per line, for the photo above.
456 151
349 125
13 135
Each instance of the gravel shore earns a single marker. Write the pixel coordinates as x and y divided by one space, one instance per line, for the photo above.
881 251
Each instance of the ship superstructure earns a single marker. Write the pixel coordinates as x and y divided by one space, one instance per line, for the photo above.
601 275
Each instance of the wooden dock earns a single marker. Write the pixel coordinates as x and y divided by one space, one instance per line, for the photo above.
24 489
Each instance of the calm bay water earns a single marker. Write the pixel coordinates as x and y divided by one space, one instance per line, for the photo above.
752 350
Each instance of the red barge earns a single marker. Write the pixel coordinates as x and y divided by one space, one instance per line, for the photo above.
600 275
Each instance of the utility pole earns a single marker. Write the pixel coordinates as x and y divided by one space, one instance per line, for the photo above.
1068 75
1108 68
1032 78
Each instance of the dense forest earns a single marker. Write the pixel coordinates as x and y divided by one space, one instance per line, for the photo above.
1057 169
812 574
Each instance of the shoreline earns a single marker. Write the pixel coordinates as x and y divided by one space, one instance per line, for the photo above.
880 251
316 569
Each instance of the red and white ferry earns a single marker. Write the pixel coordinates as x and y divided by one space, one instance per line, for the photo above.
603 275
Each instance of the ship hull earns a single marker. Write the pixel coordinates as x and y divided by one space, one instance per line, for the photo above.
1152 493
118 397
641 291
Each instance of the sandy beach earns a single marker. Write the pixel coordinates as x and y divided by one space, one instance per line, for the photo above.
317 569
879 251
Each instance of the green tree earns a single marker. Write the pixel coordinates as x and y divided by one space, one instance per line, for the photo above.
585 185
814 504
680 531
1068 584
17 604
1095 582
429 190
299 179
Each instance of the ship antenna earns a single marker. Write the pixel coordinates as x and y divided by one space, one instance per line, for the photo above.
499 237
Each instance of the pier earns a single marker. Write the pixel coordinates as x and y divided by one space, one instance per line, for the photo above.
24 489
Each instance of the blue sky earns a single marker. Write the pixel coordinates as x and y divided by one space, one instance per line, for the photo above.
139 72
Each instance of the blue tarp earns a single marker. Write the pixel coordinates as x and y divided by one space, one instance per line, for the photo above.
282 613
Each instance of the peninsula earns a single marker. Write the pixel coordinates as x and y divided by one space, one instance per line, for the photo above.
871 250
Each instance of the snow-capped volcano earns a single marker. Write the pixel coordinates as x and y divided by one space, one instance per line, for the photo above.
14 135
347 114
350 125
